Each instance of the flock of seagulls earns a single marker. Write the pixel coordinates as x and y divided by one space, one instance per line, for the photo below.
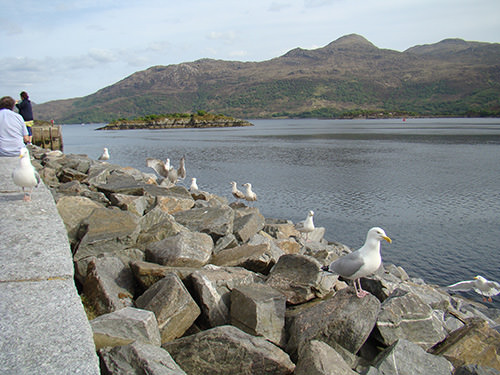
353 266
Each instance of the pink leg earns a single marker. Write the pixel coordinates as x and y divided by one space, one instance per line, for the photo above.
361 293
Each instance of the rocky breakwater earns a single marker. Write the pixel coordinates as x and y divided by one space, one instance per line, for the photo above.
187 283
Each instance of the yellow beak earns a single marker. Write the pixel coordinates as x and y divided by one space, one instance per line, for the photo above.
387 239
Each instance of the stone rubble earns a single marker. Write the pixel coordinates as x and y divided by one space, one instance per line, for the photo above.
232 292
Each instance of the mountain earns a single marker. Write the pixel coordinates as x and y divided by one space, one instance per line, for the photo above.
348 77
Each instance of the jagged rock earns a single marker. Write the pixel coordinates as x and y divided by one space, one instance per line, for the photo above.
109 284
155 226
476 370
318 358
475 343
288 246
246 226
138 359
174 308
259 310
212 288
69 174
107 231
325 254
280 229
228 350
344 319
73 211
185 249
225 242
118 182
125 326
80 163
49 176
315 236
215 221
406 358
264 238
297 277
257 258
131 203
405 316
147 273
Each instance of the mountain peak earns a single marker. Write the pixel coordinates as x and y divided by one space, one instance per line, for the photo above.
350 41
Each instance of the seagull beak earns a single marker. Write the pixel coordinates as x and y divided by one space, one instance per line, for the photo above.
387 239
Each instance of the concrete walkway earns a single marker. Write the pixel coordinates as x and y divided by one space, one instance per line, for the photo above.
43 326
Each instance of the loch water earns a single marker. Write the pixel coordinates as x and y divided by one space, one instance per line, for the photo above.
432 184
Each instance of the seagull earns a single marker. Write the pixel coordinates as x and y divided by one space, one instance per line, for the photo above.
306 226
105 155
159 166
194 186
480 285
362 262
236 193
181 172
250 196
25 175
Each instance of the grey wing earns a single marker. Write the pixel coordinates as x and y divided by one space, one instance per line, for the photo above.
462 286
172 175
494 288
181 172
347 265
158 166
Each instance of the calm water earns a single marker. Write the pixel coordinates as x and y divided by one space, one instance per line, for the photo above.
432 184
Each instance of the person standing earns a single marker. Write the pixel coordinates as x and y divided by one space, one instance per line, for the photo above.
13 131
25 110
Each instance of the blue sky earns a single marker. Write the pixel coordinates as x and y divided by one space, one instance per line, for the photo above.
65 49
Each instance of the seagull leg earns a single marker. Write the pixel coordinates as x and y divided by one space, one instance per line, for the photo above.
490 299
361 293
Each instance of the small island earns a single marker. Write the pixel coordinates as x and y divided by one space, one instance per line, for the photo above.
201 119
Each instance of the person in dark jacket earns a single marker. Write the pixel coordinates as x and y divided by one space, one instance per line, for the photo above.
25 110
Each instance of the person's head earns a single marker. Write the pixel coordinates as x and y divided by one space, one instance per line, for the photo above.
7 102
24 95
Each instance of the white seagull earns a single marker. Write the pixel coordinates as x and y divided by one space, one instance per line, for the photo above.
25 175
181 172
479 285
104 155
159 166
194 186
362 262
236 192
306 226
250 196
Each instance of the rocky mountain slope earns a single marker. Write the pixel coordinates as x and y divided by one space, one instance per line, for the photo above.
347 77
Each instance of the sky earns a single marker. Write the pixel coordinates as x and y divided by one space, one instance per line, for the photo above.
65 49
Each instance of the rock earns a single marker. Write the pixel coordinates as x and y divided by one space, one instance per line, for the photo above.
405 316
176 201
343 319
225 242
215 221
476 370
118 182
138 358
174 308
288 246
69 174
475 343
155 226
280 230
246 226
297 277
259 310
109 284
107 231
228 350
73 211
406 358
318 358
185 249
147 273
257 258
131 203
125 326
212 288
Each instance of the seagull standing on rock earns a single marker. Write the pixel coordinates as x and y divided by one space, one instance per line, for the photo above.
236 192
250 196
194 186
362 262
104 155
25 175
306 226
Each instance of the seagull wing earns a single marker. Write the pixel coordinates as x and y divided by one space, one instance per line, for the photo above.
37 177
181 172
347 265
494 288
158 166
462 286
